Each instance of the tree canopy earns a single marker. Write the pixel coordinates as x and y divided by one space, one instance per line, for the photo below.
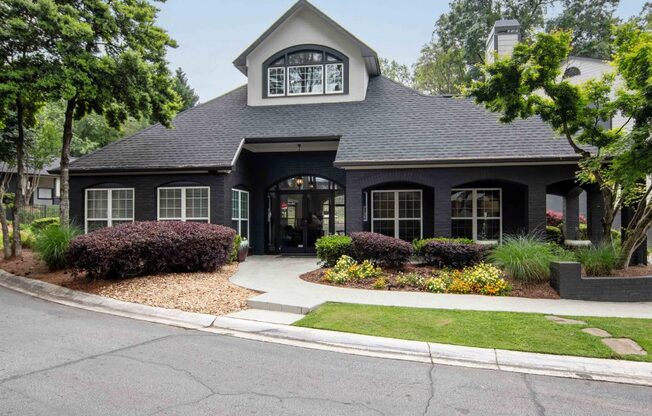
183 89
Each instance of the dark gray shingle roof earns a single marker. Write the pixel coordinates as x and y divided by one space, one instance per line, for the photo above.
393 125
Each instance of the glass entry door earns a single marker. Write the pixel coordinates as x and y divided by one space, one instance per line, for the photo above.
301 212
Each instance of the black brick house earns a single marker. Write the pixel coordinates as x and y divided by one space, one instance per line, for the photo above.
318 142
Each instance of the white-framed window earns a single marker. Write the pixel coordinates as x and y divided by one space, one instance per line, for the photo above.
57 188
310 71
44 193
275 81
305 79
106 207
397 213
365 206
240 212
477 214
184 203
334 78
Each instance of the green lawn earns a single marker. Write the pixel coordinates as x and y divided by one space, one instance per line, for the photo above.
504 330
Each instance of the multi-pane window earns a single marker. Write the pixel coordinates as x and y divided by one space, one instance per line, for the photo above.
477 214
240 212
306 72
184 204
108 207
276 81
397 213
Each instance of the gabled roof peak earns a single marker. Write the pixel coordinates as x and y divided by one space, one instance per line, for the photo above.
370 56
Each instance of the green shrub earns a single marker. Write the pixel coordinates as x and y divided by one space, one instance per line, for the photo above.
598 261
584 233
330 248
52 245
420 243
524 257
554 234
26 237
43 223
236 245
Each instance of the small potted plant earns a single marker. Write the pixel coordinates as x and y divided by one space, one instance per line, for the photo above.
243 250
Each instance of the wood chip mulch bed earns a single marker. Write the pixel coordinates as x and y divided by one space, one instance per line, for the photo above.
519 289
210 293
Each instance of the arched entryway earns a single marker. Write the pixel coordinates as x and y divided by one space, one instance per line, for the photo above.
300 210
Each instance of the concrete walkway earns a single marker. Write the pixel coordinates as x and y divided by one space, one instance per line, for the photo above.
284 291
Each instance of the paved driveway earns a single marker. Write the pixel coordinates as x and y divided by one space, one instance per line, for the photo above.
56 360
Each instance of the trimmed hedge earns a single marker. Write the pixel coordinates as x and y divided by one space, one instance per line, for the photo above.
453 254
43 223
381 249
419 244
330 248
554 234
151 247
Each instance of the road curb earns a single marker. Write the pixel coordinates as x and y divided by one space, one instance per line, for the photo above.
618 371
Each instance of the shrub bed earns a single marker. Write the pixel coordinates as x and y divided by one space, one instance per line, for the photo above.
52 244
347 269
419 244
151 247
43 223
381 249
331 248
452 254
483 278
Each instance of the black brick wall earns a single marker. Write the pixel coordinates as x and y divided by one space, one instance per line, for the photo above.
566 279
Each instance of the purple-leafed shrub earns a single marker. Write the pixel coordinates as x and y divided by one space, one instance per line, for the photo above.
381 249
450 254
151 247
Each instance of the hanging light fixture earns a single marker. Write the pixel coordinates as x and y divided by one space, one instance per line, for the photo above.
299 179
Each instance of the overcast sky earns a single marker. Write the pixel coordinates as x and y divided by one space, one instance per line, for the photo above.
212 33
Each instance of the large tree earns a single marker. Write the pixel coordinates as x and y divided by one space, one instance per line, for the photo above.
616 159
590 22
439 70
187 94
396 71
28 32
112 60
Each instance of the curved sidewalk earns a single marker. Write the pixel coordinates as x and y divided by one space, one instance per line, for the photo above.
284 291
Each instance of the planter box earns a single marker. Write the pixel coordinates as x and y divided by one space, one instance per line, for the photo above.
566 278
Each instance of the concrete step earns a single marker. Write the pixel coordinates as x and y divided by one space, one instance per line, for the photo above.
282 303
261 315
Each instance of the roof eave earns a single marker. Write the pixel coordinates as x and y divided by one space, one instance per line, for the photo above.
461 162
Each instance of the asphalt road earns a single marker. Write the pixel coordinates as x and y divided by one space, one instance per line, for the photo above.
56 360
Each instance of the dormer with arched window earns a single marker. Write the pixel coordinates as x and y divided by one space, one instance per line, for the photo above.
306 58
305 70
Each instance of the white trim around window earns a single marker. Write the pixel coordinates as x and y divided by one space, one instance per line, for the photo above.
475 218
289 88
397 218
187 201
104 206
240 212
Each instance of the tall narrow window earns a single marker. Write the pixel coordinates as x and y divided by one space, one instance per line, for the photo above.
184 204
108 207
334 78
276 82
477 214
397 213
240 212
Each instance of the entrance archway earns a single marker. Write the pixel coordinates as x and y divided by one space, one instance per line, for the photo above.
300 210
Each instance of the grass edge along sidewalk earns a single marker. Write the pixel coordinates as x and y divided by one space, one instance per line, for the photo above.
516 331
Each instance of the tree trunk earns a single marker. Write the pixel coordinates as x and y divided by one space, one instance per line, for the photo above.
64 215
608 217
20 169
633 236
6 241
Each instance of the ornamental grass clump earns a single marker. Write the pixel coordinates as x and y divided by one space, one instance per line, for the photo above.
151 247
347 269
52 243
598 261
524 257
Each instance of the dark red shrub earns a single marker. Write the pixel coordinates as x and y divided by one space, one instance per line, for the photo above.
450 254
151 247
381 249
